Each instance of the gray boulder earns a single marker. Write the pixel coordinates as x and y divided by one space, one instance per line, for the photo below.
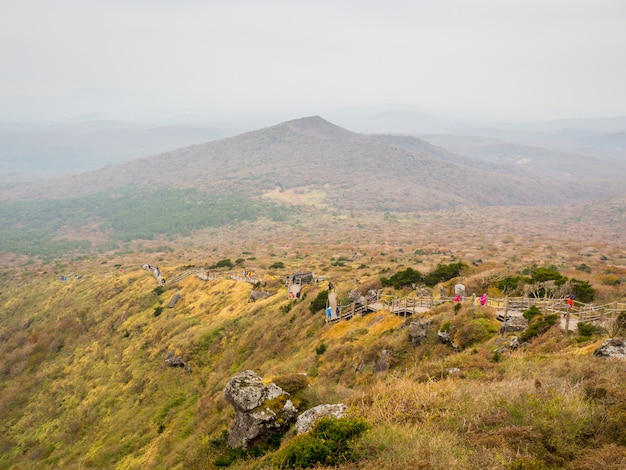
306 420
612 347
514 324
418 331
383 361
260 410
446 338
175 298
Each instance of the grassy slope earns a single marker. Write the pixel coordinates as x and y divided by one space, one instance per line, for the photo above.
84 384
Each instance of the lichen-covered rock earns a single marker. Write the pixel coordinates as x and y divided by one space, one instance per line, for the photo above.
260 410
612 347
260 294
418 331
515 343
245 391
305 421
446 338
176 361
175 298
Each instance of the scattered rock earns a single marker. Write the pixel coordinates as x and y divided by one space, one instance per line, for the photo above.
372 295
612 347
176 361
260 294
306 420
418 331
446 338
516 344
383 361
513 345
175 298
355 296
260 410
514 324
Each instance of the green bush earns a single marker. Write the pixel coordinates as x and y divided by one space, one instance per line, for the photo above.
531 313
582 290
585 330
444 272
277 265
157 311
330 442
224 263
537 326
512 284
473 332
584 268
402 278
319 303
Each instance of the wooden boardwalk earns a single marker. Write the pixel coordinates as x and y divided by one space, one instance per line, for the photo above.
505 308
205 275
404 306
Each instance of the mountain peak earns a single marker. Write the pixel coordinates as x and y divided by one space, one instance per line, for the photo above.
317 126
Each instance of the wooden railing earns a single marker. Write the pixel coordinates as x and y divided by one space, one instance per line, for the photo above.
507 305
210 276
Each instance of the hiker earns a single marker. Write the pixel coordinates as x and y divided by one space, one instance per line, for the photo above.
330 286
457 299
483 299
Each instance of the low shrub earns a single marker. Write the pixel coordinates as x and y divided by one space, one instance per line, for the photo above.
292 383
224 263
330 442
585 330
531 313
321 349
537 326
473 332
319 302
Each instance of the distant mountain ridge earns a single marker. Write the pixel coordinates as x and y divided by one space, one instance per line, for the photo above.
356 171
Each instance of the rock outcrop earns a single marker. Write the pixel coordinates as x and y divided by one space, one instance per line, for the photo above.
446 338
382 362
175 298
176 361
612 347
261 410
513 324
306 420
418 331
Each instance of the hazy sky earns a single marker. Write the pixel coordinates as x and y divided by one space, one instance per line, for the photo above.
507 58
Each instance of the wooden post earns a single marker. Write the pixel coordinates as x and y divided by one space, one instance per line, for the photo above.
567 320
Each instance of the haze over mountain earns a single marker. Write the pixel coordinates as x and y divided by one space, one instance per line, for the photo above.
355 171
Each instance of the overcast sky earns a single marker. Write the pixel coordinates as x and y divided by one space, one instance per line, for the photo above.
527 59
